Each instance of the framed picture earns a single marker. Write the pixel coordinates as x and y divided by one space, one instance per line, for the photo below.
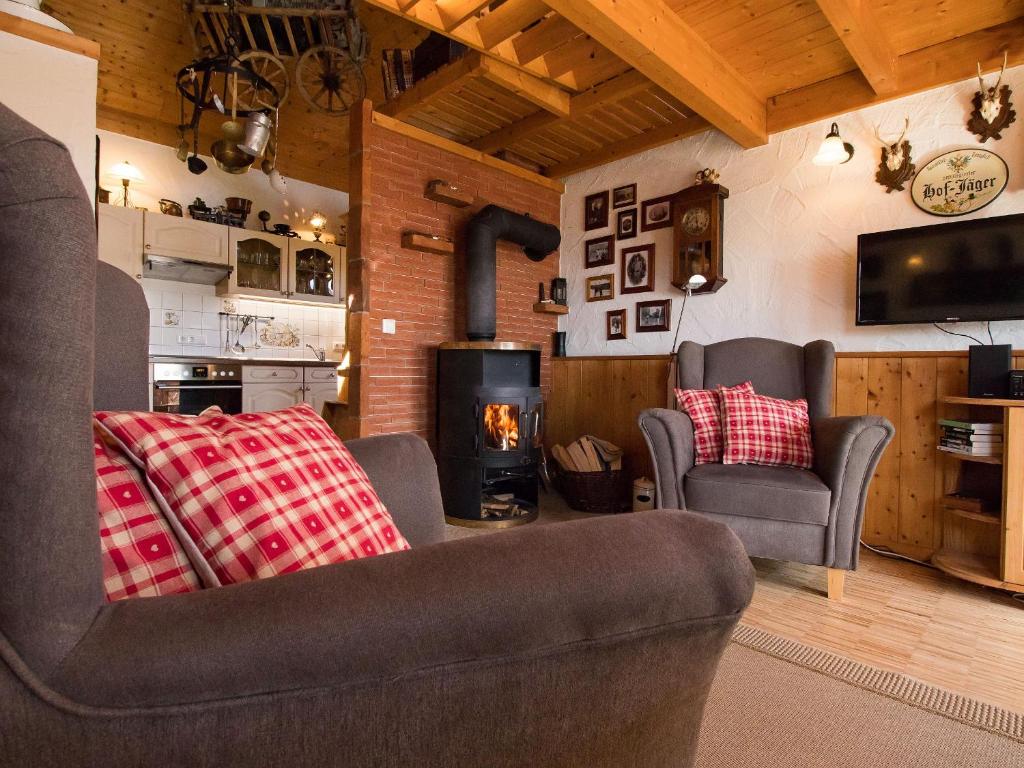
625 224
616 326
599 252
656 213
623 197
595 211
638 269
601 287
653 315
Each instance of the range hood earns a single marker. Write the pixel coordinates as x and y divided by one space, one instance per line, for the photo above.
185 270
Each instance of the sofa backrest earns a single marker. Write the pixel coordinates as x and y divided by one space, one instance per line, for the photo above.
776 368
50 573
122 342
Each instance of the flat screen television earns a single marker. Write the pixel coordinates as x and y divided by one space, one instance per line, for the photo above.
970 270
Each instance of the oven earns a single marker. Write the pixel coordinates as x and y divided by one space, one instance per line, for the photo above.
191 388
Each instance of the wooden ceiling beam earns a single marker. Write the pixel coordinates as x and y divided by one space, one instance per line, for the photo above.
552 32
930 67
548 97
655 137
427 13
652 38
860 30
508 19
619 88
455 12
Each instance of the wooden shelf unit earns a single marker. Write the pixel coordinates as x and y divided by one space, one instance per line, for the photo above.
1007 570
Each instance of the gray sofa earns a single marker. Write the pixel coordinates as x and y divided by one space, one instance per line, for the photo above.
588 643
783 513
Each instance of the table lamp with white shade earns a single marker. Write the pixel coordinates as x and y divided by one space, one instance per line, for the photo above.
127 173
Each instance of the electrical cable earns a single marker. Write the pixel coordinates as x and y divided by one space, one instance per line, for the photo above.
990 339
954 333
895 555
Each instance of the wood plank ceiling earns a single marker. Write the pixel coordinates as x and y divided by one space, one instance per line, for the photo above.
569 84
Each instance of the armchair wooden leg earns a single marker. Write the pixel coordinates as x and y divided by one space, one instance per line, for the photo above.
836 580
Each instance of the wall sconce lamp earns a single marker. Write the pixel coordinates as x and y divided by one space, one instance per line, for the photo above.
127 173
317 221
833 150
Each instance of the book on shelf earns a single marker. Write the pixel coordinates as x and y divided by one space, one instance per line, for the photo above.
974 427
972 450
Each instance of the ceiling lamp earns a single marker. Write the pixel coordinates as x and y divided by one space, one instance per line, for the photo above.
833 150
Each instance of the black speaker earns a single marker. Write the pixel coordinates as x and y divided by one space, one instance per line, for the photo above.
988 372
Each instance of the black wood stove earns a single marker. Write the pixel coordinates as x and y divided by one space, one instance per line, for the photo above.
489 415
489 407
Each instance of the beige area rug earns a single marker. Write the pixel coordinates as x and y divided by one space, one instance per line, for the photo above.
780 703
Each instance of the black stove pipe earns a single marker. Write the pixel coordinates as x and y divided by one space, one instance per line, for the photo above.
483 232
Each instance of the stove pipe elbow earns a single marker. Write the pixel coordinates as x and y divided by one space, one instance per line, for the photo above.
485 229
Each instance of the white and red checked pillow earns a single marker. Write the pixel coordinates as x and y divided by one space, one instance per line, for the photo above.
766 430
141 555
259 494
704 407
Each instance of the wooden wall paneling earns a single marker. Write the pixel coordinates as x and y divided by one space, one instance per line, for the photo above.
851 386
917 428
882 514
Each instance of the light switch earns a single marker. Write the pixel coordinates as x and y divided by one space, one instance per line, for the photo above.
388 325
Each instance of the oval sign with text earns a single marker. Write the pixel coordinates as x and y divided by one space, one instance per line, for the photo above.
959 182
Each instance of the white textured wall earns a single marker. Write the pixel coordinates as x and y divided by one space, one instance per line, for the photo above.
790 229
55 90
168 177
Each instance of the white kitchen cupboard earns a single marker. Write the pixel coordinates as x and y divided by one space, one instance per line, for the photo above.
321 384
185 238
266 265
272 387
259 265
120 238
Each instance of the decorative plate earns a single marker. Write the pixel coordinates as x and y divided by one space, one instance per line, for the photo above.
959 182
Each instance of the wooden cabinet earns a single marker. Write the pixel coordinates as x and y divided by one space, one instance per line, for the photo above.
273 387
270 266
185 238
321 385
120 238
316 272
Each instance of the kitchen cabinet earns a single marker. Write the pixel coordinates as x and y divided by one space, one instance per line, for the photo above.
120 238
185 238
270 266
321 385
271 388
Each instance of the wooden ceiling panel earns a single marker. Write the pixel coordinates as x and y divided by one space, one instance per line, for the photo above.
915 24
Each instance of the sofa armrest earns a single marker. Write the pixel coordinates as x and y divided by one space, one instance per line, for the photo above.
846 451
669 436
493 599
402 470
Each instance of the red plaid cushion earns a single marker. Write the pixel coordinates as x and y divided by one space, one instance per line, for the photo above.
704 407
141 556
260 493
765 430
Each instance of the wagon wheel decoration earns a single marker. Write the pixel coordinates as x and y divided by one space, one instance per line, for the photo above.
329 80
271 69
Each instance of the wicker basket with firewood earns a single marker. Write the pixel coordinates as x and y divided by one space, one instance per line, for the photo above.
589 475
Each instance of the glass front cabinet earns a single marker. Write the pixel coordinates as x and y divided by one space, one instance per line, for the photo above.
266 265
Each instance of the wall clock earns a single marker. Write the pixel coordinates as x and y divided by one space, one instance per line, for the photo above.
959 182
698 214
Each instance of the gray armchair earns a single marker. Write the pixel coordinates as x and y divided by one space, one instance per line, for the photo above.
783 513
586 643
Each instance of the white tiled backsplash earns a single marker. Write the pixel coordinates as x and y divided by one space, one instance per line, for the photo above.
178 311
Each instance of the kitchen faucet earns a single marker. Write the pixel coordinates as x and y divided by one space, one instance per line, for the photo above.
320 352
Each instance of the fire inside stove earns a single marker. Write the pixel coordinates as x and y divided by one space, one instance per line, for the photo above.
501 426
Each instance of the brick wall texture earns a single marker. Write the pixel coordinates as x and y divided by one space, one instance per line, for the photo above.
424 292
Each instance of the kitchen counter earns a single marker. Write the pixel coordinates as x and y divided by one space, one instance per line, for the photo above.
306 362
